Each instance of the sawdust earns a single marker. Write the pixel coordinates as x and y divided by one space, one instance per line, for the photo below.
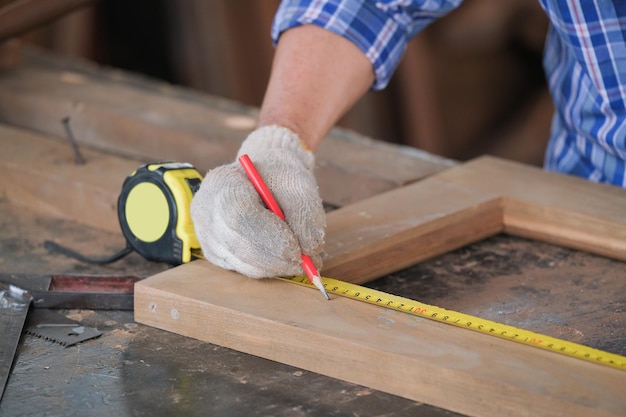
121 333
118 339
79 315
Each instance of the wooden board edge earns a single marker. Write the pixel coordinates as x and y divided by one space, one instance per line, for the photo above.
565 228
392 253
547 206
444 381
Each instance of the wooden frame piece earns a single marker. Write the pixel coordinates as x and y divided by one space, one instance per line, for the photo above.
466 204
449 367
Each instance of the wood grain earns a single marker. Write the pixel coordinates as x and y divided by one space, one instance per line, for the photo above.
445 366
551 207
39 173
143 119
396 229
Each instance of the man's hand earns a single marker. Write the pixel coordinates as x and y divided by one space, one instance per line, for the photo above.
235 229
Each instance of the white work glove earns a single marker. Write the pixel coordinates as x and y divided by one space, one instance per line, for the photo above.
235 229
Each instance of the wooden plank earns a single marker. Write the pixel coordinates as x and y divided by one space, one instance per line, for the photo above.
148 120
399 228
551 207
281 323
39 173
426 361
56 186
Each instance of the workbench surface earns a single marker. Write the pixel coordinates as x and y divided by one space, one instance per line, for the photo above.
135 370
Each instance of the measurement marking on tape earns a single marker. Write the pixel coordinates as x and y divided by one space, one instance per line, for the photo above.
504 331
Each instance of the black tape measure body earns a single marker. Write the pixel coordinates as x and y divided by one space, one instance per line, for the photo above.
153 211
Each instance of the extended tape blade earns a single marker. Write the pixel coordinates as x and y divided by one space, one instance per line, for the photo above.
466 321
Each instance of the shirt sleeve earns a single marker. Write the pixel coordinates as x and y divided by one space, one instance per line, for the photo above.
381 29
585 66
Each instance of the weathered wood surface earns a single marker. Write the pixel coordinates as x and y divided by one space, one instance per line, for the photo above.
40 174
131 120
151 121
39 171
441 365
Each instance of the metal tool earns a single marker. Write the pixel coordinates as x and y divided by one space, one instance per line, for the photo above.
55 327
416 308
19 291
14 305
94 292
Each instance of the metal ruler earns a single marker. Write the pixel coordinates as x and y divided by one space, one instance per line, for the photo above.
14 305
504 331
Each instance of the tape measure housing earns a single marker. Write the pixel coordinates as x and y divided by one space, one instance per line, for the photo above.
153 211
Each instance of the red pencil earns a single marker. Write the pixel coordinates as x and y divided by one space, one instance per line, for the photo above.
272 204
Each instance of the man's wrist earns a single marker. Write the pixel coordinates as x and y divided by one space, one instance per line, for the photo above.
269 137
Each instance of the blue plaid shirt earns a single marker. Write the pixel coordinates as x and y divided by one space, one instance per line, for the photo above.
584 60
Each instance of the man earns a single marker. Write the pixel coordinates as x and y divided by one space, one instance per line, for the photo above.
329 53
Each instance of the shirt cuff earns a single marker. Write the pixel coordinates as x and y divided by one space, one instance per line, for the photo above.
380 29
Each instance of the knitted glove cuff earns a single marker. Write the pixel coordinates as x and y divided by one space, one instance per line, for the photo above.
276 137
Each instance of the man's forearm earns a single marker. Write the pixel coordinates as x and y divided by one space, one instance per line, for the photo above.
316 77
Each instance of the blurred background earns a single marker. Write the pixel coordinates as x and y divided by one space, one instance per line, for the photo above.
472 83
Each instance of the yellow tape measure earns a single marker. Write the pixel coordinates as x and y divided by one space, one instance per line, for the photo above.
416 308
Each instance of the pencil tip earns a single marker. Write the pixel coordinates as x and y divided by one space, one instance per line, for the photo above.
317 281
